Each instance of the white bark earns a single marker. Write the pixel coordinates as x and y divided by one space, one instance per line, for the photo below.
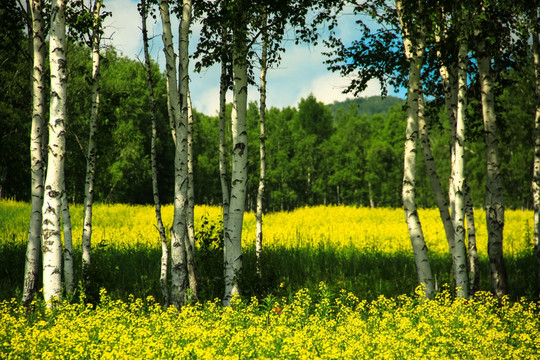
448 78
474 262
179 227
458 166
494 190
262 150
414 52
233 235
536 162
31 270
68 245
91 155
153 160
190 246
187 119
52 242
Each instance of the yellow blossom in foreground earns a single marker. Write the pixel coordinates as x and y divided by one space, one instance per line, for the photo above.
331 328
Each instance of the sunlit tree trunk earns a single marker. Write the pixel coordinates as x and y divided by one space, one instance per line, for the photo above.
414 51
179 227
52 242
187 118
536 165
262 149
31 271
233 235
153 160
192 265
458 166
91 155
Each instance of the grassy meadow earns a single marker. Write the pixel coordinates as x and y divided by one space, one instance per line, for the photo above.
338 282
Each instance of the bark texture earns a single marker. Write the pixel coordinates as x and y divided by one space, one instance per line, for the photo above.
31 269
262 148
458 169
91 155
414 52
233 234
69 283
52 242
153 161
179 227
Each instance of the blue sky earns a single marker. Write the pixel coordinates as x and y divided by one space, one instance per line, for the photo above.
300 73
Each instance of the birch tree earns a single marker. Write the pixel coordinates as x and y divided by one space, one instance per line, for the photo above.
494 193
262 144
458 167
223 173
37 164
413 42
185 102
52 242
91 154
233 235
69 283
177 105
144 10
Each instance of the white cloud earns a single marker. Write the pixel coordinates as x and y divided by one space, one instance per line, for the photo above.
302 70
123 27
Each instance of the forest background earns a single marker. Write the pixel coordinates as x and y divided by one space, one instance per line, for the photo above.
347 152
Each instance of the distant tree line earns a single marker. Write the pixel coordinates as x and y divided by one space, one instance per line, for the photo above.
345 153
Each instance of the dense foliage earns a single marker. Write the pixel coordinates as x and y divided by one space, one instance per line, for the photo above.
344 153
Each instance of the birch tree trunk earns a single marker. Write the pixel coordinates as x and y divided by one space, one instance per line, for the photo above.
31 269
187 118
91 155
192 264
179 227
474 262
440 199
262 148
68 245
536 164
458 166
494 189
414 53
52 242
222 147
233 235
153 161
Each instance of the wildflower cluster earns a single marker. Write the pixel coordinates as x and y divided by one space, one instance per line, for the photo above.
335 327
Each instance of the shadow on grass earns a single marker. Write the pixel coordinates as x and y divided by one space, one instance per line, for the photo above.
284 271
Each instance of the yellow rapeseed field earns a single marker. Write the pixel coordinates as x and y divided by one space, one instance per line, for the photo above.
308 325
339 328
381 229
